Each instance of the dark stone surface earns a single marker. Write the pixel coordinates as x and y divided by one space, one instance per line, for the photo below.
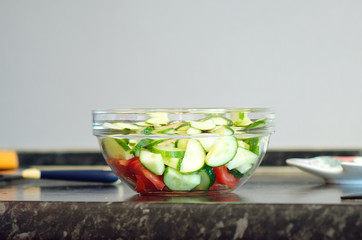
134 220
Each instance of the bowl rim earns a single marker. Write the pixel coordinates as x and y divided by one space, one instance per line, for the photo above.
183 110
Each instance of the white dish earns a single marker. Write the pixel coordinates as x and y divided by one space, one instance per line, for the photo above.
333 169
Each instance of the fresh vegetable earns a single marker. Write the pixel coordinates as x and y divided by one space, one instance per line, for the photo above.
222 151
207 178
152 161
225 177
242 157
173 162
138 169
168 151
176 180
194 157
116 148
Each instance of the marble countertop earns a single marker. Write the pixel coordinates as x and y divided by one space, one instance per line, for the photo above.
276 203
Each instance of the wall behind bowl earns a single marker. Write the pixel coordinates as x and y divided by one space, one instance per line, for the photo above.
61 59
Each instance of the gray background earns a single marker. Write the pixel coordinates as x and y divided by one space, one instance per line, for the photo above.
61 59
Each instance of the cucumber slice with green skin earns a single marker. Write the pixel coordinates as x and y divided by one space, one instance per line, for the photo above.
168 142
222 151
183 127
178 181
147 130
164 130
203 125
207 178
254 144
172 162
168 129
236 173
142 144
152 161
123 143
167 151
243 144
241 119
194 157
242 157
182 143
116 149
258 123
223 131
159 141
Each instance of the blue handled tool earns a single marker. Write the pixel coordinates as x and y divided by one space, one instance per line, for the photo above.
86 175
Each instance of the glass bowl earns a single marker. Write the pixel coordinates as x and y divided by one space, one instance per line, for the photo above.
183 151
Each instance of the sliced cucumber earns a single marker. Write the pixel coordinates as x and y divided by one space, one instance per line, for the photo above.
207 142
194 157
244 169
124 143
221 121
147 130
203 124
207 178
157 118
172 162
258 123
152 161
254 144
241 119
242 157
236 173
223 131
183 127
182 143
167 129
164 130
133 142
116 149
168 151
193 131
243 144
158 142
142 144
167 142
222 151
178 181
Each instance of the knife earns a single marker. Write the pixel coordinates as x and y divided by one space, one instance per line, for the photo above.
85 175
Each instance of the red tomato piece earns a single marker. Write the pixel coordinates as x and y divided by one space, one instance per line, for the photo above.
123 169
137 167
224 177
143 184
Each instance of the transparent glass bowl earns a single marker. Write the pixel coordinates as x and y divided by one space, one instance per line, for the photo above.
183 151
